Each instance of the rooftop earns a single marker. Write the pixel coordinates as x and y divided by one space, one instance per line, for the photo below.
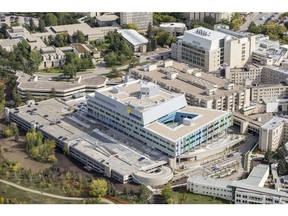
9 42
257 175
210 181
200 118
81 48
189 83
207 35
274 123
133 36
173 25
25 82
107 17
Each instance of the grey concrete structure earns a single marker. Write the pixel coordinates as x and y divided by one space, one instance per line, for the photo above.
140 19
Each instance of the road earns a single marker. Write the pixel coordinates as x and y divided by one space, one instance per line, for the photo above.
50 195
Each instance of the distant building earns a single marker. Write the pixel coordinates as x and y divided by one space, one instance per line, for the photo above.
209 50
218 16
136 41
106 20
89 33
81 50
8 44
52 57
246 191
176 29
273 134
140 19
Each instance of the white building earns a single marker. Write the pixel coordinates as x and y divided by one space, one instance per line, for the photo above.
208 49
273 134
175 29
8 44
247 191
140 19
218 16
52 57
135 41
157 117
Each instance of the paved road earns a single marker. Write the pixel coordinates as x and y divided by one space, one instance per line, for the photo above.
50 195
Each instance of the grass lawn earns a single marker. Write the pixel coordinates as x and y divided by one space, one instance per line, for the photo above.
196 198
51 70
7 191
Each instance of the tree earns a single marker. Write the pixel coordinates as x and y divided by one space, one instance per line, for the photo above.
110 59
210 20
98 188
144 192
164 38
282 167
268 156
8 133
150 32
16 97
78 37
130 26
154 43
53 92
41 25
281 154
28 95
126 50
35 59
167 193
254 28
70 70
15 130
50 19
236 22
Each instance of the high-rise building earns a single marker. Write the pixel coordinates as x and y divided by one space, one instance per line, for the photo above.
208 49
201 15
140 19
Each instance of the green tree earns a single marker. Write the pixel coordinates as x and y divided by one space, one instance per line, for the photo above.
165 38
282 167
98 188
254 28
209 19
110 59
144 192
154 43
126 50
150 32
41 25
8 133
50 19
70 70
78 37
167 193
281 154
236 22
35 59
16 97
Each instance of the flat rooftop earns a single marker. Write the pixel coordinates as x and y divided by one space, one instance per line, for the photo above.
203 117
274 123
26 82
257 174
89 141
112 153
9 42
202 32
188 83
130 94
210 181
107 18
133 36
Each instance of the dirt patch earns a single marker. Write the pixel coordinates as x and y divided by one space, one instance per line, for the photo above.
16 152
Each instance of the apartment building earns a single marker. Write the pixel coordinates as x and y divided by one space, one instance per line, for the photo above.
140 19
157 117
201 89
247 76
52 57
218 16
246 191
209 50
136 41
273 134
